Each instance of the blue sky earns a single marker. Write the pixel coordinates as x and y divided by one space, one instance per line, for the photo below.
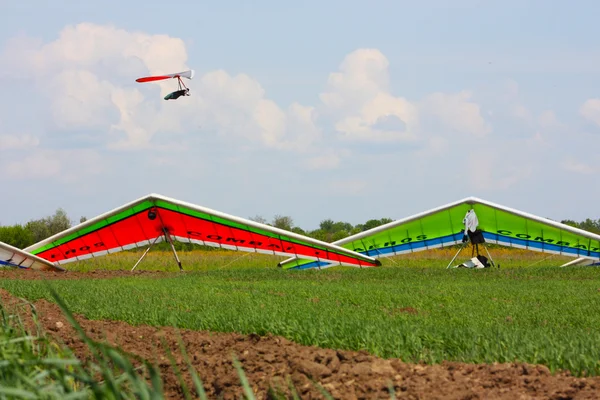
340 109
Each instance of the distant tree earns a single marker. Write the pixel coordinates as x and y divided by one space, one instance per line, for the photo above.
82 220
330 231
372 223
298 230
589 225
46 227
342 226
338 235
327 225
359 228
319 234
570 223
259 219
283 222
16 235
59 222
39 229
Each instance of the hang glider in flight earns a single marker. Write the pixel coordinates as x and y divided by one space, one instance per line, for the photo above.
155 218
13 257
444 226
182 89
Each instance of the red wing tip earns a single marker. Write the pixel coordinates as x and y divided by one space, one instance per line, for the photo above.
152 78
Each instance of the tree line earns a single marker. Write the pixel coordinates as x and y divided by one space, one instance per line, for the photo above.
24 235
328 230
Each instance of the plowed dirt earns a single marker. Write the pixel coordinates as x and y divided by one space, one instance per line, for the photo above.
269 360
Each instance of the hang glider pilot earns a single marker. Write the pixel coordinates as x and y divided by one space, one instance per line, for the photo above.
475 235
471 222
177 94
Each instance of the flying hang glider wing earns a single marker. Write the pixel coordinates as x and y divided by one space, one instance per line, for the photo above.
13 257
156 218
185 74
445 226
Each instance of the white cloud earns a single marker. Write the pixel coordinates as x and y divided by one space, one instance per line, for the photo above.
66 166
18 142
457 112
358 96
538 139
363 75
547 119
138 132
435 146
590 110
79 99
302 130
511 88
32 166
269 117
326 161
86 45
579 167
351 187
482 168
88 73
520 111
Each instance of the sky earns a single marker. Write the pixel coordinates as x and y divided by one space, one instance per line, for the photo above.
349 110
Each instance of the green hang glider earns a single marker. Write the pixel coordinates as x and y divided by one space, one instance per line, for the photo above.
445 226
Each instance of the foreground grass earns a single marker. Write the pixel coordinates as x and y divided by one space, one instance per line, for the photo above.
34 367
537 314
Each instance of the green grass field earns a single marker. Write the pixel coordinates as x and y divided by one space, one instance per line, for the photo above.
412 308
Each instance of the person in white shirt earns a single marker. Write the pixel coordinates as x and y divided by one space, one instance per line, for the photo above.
471 222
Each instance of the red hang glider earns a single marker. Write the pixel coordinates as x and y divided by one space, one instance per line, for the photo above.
182 89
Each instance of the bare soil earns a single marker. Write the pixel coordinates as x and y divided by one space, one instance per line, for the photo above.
269 360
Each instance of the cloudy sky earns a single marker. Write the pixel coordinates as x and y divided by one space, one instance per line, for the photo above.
348 109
